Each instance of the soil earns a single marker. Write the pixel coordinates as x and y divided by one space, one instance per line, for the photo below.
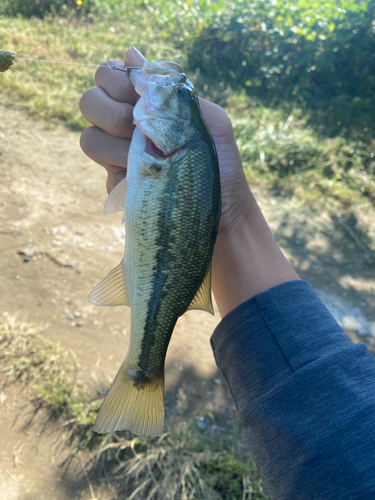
56 244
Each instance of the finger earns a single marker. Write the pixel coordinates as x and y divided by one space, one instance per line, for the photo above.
113 117
217 120
116 84
104 148
133 57
115 175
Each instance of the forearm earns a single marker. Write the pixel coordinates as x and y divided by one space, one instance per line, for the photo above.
246 260
304 395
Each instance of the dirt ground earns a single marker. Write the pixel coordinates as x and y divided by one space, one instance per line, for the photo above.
56 244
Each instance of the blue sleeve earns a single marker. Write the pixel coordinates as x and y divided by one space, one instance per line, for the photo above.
304 393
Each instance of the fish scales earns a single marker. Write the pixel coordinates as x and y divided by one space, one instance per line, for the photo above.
172 209
158 221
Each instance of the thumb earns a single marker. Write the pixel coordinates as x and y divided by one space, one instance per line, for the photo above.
133 57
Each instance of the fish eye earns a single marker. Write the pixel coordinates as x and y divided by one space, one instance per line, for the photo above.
182 92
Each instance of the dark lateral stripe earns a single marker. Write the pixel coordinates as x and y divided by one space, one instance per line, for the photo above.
172 293
150 356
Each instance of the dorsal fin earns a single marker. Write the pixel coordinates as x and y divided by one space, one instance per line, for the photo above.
202 299
112 290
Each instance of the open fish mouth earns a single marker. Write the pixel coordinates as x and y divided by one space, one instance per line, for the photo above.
165 134
152 149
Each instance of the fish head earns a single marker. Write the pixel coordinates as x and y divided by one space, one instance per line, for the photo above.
165 109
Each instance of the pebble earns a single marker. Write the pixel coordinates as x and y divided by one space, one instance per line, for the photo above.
298 242
77 314
95 322
90 261
73 324
110 329
217 381
123 332
201 424
66 311
71 316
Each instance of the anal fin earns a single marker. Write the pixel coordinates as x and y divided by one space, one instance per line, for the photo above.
202 299
112 290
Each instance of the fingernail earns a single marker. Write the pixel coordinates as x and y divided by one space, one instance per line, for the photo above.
133 56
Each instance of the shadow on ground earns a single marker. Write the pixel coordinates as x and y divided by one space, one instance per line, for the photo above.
199 424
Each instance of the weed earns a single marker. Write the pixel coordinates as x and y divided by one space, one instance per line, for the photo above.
287 155
51 92
28 358
184 463
279 147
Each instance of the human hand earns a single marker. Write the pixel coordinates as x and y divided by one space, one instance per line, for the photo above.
109 108
246 258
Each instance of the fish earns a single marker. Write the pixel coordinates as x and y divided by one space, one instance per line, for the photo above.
171 199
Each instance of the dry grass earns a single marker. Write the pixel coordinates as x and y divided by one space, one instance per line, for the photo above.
184 463
27 357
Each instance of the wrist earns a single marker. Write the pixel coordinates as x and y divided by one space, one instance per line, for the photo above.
246 259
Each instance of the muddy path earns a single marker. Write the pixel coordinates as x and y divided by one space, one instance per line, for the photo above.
55 245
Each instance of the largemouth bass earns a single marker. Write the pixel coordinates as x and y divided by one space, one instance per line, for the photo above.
171 199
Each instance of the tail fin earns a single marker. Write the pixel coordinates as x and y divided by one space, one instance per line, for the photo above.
128 406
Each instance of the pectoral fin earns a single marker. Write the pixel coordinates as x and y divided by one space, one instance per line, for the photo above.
116 199
112 290
202 299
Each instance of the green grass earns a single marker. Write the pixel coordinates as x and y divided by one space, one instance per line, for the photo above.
279 146
184 463
286 154
51 92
